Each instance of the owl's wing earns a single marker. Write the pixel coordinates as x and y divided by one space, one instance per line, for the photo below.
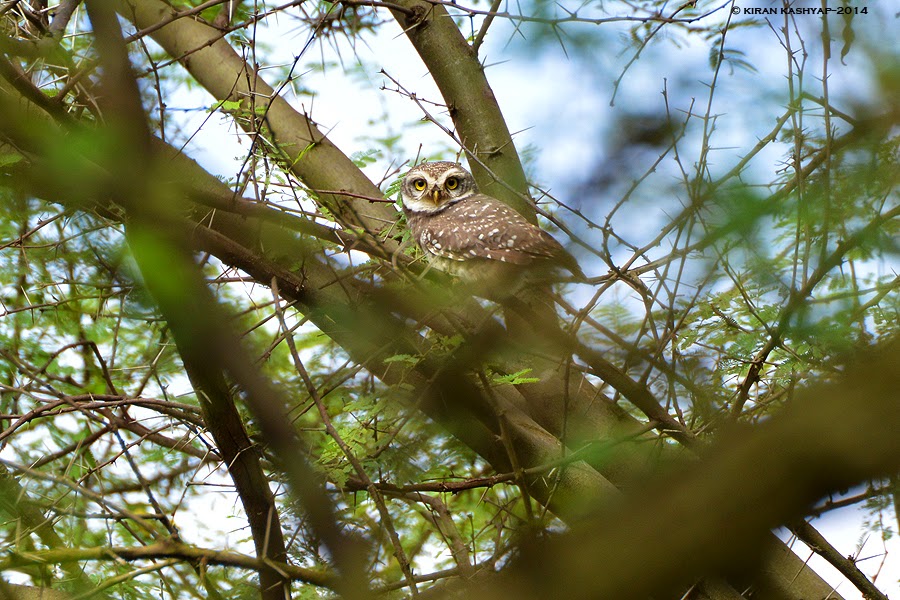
482 227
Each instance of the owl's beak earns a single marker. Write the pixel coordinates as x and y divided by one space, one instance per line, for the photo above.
435 196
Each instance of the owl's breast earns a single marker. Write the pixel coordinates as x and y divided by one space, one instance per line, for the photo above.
480 238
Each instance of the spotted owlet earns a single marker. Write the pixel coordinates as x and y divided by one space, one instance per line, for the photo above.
474 236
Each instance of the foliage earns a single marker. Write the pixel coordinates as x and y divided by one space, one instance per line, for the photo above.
440 430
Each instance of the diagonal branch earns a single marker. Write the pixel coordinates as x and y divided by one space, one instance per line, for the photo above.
636 542
310 155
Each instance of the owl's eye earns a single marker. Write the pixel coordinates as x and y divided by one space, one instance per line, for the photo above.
419 184
452 183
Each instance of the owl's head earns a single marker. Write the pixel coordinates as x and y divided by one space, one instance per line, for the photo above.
430 187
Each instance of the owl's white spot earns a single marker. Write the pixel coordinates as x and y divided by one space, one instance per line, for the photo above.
510 243
480 236
473 252
494 231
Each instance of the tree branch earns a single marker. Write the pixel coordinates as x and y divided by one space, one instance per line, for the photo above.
164 550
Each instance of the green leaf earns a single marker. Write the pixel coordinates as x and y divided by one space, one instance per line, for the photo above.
365 157
515 378
10 158
226 105
406 358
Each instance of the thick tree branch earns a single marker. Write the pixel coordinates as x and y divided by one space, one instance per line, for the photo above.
145 205
218 68
637 543
455 68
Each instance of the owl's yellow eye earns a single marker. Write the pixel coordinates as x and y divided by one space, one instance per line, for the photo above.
419 184
452 183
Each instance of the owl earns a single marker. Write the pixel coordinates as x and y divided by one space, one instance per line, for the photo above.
474 236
